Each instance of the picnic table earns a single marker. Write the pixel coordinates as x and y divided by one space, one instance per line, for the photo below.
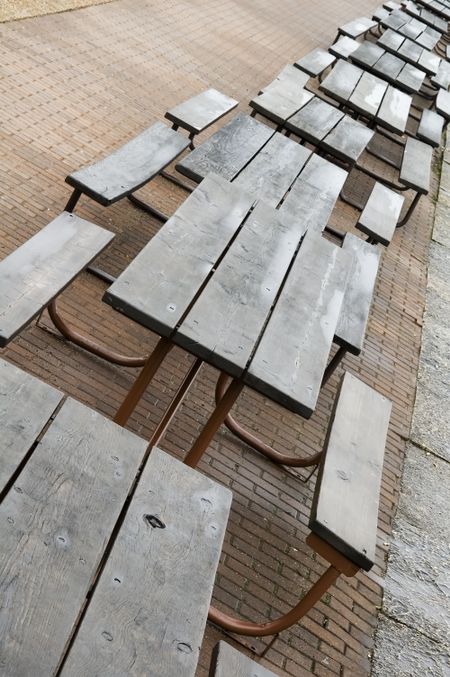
240 287
412 28
410 51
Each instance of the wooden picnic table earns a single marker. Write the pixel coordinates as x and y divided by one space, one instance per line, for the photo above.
108 554
239 287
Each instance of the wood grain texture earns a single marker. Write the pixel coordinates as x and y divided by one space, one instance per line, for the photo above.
130 166
148 612
55 524
314 194
228 150
229 316
158 286
394 110
271 173
26 405
315 120
341 82
348 139
381 214
289 362
228 662
345 505
202 110
354 315
43 266
415 171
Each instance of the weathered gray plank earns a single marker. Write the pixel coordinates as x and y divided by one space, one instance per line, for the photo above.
429 62
345 505
281 101
381 213
227 662
158 286
428 39
148 612
394 110
315 62
348 139
270 174
379 14
410 51
228 150
342 80
415 171
295 77
130 166
357 27
367 54
443 103
396 20
315 120
430 127
411 78
228 317
43 266
314 194
412 29
289 363
55 525
26 405
344 47
354 315
442 77
389 66
200 111
368 94
391 40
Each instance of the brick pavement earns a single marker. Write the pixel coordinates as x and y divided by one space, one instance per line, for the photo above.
75 85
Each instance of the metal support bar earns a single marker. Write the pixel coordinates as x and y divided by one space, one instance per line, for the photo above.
257 444
139 387
101 274
176 181
88 344
331 366
213 424
73 199
191 139
147 208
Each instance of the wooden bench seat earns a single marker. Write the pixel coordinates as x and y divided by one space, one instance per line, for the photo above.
443 104
380 215
228 662
316 62
415 171
389 67
280 101
431 127
291 75
344 47
354 29
40 269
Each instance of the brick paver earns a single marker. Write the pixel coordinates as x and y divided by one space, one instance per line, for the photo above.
72 87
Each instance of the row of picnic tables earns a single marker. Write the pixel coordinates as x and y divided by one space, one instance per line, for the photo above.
242 278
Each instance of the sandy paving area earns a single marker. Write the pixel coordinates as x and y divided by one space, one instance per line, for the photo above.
21 9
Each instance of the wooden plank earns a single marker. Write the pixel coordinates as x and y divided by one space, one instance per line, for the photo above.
415 171
388 66
315 120
396 20
280 102
227 662
411 78
368 94
227 319
342 80
26 405
357 27
430 127
367 54
428 39
200 111
429 62
289 362
442 103
315 62
344 47
412 29
410 51
271 173
391 40
381 214
228 150
348 140
354 315
295 77
55 525
43 267
314 194
159 285
394 110
345 505
442 77
148 612
130 166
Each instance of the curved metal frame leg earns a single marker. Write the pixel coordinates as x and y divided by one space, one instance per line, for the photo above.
90 345
255 442
409 211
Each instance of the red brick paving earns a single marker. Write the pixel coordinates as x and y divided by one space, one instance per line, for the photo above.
74 86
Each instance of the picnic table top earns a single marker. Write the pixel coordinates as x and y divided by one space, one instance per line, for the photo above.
412 28
62 524
410 51
238 286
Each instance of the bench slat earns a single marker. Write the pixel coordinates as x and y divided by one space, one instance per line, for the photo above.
131 166
200 111
295 77
344 47
357 27
270 174
381 214
43 267
430 127
411 78
160 296
228 150
348 139
342 80
443 103
368 93
315 62
26 405
148 612
279 102
227 662
345 505
394 110
367 54
351 328
389 65
289 362
55 525
315 120
213 328
415 171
